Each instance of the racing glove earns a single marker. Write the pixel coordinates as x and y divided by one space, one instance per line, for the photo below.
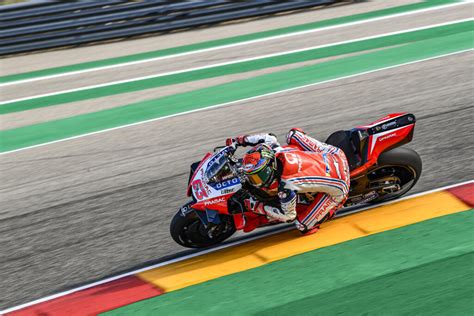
288 203
273 213
278 214
240 140
287 212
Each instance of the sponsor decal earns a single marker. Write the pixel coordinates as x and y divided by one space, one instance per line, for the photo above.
214 201
185 210
387 137
310 143
388 125
216 157
324 209
227 191
225 184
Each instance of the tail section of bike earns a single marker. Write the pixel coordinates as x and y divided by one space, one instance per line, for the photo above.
380 169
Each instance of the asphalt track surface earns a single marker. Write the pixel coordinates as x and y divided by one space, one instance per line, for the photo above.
80 210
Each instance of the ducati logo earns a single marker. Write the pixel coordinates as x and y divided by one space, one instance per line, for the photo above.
388 125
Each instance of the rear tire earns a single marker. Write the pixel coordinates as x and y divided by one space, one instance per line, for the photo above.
404 163
188 231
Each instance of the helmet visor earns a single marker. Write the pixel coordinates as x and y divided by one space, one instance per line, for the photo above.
262 177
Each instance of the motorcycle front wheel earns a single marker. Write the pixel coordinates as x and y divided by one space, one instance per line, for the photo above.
189 231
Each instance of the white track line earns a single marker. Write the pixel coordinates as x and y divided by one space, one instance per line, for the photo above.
231 244
234 61
232 102
240 43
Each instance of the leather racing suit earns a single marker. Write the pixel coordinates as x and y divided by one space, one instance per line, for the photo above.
306 165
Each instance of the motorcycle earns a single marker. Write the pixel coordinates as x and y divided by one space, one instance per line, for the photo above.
380 170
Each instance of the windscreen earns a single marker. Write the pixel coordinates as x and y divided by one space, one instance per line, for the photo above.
217 167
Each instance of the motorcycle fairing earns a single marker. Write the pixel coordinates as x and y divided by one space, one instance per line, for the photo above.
209 216
211 194
195 167
217 203
391 131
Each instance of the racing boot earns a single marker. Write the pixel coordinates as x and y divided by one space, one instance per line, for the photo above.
255 206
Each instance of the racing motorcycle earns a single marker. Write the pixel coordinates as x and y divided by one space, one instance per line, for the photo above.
380 170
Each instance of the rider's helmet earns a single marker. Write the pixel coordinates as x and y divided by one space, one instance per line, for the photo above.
259 166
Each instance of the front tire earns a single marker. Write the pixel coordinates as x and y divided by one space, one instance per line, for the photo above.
401 163
189 231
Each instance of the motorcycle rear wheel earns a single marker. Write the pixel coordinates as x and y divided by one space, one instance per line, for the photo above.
402 163
189 231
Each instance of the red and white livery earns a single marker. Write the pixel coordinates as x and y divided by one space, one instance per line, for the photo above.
361 165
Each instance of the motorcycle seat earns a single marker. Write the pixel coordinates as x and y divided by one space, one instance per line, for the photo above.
349 143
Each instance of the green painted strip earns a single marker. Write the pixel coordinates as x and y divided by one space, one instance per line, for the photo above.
421 269
87 123
221 42
241 67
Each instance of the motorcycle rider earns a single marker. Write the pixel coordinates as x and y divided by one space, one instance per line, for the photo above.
305 166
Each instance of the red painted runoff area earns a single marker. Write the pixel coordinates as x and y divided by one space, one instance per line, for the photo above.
95 300
465 193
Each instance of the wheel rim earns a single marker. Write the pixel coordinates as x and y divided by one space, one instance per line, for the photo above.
404 176
196 234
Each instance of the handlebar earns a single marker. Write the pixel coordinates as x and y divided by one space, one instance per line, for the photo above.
218 148
232 145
